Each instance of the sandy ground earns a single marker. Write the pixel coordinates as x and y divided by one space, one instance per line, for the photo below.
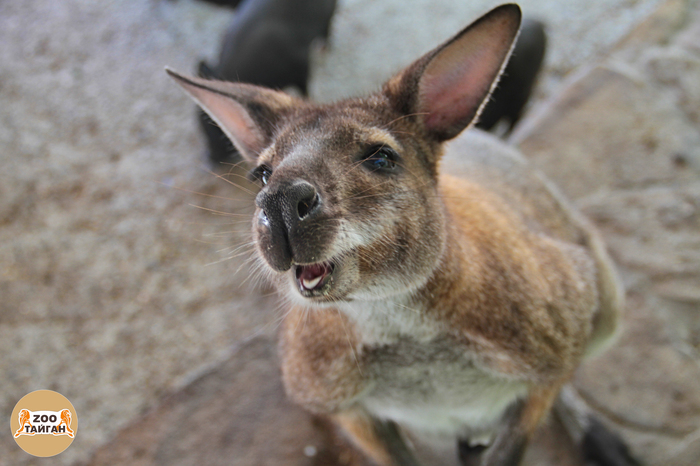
116 289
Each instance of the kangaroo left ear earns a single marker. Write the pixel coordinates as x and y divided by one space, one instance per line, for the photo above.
448 86
247 114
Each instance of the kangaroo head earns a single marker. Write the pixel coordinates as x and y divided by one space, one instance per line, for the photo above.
349 207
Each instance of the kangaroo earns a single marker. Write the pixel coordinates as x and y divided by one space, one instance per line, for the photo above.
439 288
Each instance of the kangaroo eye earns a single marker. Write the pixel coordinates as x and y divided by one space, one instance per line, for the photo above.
262 173
380 158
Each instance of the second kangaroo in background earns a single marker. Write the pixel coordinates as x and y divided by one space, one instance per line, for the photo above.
439 291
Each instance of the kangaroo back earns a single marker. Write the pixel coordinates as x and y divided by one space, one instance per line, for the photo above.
484 160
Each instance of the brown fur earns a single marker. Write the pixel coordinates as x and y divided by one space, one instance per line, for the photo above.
460 262
361 428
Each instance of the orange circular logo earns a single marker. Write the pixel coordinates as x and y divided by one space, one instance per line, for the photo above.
44 423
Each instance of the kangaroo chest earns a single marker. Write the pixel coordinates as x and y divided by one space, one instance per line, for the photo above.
435 387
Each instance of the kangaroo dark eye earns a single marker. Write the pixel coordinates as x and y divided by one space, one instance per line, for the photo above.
262 173
380 158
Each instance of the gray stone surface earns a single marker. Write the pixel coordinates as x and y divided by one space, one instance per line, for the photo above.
107 294
235 414
105 290
623 140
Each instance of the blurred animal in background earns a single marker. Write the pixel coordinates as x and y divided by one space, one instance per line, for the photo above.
508 100
268 44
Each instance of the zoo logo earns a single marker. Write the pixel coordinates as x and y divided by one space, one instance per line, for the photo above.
44 423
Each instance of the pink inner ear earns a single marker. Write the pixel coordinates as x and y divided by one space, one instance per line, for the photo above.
231 116
455 84
459 77
233 120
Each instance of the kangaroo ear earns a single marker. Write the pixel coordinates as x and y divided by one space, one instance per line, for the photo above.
247 114
447 87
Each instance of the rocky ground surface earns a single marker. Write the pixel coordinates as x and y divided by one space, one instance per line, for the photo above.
122 255
623 140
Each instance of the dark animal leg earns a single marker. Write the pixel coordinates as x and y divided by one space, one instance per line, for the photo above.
518 80
599 445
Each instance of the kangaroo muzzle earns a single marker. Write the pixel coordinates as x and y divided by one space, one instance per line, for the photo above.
288 223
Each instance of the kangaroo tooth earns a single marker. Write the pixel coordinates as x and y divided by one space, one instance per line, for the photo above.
310 284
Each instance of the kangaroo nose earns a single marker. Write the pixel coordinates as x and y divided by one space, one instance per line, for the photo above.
292 202
286 208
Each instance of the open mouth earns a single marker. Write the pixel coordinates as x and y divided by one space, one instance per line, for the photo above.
313 279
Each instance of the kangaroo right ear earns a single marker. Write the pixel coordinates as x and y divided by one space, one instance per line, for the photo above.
247 114
447 87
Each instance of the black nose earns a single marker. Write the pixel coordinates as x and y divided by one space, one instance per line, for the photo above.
286 208
293 202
